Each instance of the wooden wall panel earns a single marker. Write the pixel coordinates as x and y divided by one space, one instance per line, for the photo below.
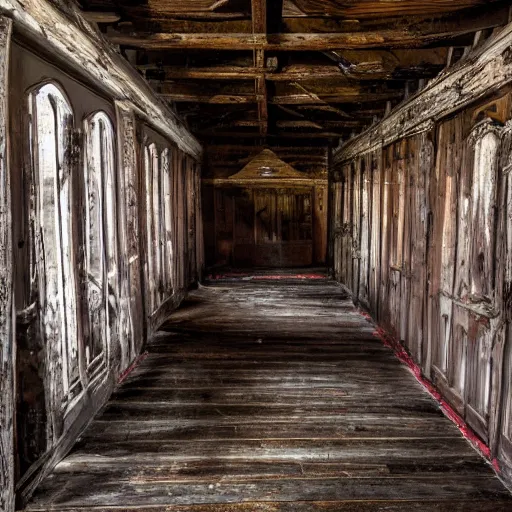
386 212
320 208
61 385
440 216
191 223
7 349
501 401
337 228
365 243
376 179
355 215
421 159
200 246
131 306
347 241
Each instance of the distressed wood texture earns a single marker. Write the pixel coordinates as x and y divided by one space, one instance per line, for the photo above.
59 28
440 245
265 395
485 71
7 349
331 57
283 42
85 261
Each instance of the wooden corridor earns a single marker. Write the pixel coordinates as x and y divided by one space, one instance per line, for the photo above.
271 396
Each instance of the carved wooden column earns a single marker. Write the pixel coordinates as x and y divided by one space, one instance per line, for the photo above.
131 307
6 323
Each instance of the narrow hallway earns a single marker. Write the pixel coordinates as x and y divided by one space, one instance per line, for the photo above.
271 395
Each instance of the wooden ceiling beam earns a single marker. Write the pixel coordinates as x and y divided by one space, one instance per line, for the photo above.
249 142
313 91
219 99
379 8
259 16
290 99
324 99
321 124
398 38
375 65
101 17
314 152
167 11
338 13
205 73
259 27
278 134
475 19
294 124
289 73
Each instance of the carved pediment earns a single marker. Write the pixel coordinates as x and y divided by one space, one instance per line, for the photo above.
267 166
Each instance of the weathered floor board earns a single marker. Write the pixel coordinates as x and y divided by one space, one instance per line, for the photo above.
271 396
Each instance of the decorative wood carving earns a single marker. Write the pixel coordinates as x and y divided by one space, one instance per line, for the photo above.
131 309
267 166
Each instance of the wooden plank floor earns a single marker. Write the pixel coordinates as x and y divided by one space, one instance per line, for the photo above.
271 396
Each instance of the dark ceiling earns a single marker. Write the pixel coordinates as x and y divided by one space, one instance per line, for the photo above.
306 71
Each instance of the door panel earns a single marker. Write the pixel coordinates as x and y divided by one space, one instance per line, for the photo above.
264 227
282 228
243 219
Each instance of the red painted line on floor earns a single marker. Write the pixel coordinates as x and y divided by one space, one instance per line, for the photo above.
252 277
132 367
290 276
389 341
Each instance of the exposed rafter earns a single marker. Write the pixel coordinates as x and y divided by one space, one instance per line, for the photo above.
397 38
259 27
375 67
261 69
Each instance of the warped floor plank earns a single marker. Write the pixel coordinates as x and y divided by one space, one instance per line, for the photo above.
271 396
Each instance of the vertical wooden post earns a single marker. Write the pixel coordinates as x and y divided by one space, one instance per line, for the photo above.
6 316
131 305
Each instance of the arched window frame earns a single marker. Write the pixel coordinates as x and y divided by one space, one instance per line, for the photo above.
151 177
109 176
168 256
100 180
485 144
157 221
59 317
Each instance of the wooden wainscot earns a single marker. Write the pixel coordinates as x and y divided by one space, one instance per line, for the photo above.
424 239
7 395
